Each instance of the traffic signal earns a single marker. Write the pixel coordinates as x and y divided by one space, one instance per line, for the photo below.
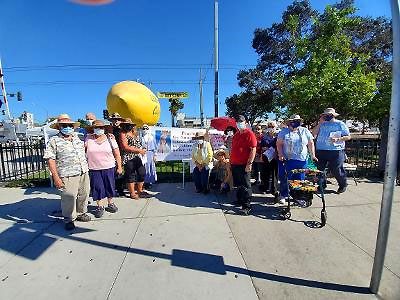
19 96
105 114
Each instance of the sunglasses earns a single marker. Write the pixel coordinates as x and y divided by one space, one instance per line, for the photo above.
66 125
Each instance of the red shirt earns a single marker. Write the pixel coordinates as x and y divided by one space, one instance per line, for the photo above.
241 146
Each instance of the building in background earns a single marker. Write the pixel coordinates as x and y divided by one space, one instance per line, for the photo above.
191 122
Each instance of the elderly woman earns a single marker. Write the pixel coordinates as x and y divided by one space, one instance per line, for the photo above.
202 155
293 145
222 179
132 151
269 171
103 156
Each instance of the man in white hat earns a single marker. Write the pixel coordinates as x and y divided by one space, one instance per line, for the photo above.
66 156
331 135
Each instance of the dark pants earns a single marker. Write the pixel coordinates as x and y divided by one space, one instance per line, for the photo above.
257 168
288 166
119 184
334 159
269 175
241 180
134 170
200 179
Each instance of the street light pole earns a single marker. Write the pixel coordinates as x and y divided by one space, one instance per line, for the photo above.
216 57
391 156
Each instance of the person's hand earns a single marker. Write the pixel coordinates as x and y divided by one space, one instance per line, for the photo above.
314 158
142 151
248 168
222 186
154 158
58 183
335 139
119 171
281 158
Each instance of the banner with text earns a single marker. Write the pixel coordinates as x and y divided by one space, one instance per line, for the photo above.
177 143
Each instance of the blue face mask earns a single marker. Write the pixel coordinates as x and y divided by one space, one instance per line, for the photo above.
98 131
327 117
67 130
241 125
295 124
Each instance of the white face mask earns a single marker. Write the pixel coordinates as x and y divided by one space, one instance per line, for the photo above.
200 142
229 133
241 125
98 131
90 122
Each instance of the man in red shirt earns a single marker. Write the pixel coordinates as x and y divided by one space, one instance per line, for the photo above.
243 151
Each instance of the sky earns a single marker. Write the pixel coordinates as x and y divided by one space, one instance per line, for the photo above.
65 57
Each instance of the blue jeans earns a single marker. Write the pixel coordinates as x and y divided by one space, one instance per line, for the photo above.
200 178
334 159
289 165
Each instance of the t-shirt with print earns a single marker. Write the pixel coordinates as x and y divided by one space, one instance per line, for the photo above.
295 143
328 130
100 155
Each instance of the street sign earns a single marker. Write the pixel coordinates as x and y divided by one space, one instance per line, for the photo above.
174 95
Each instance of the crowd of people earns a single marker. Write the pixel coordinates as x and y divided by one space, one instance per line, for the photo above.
115 155
269 153
100 162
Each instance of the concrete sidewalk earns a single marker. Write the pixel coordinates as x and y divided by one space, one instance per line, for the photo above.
182 245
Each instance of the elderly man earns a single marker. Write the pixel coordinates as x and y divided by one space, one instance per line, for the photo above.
90 118
68 165
242 154
331 135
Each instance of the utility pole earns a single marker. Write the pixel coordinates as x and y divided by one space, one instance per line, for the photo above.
3 90
216 56
201 101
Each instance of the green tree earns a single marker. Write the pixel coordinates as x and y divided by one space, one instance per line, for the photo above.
174 106
251 105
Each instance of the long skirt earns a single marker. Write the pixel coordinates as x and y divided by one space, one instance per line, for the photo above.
102 184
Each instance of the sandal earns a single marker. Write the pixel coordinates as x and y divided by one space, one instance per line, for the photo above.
134 196
145 194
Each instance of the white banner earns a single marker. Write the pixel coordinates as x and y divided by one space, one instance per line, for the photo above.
176 143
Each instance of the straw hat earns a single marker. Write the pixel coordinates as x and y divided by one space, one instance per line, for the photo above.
222 149
294 118
330 111
64 119
115 116
127 121
100 123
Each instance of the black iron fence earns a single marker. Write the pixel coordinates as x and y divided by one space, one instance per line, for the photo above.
365 154
22 160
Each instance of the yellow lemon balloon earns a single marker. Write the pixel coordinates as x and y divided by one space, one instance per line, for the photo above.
134 100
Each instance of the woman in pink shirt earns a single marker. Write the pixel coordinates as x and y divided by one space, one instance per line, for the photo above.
103 156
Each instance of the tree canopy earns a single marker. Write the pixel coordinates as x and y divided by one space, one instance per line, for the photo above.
311 60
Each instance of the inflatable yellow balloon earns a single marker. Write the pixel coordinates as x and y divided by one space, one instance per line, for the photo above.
134 100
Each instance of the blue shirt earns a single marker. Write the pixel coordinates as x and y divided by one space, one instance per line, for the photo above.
328 130
295 143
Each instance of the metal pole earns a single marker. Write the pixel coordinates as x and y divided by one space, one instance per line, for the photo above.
201 102
391 156
216 56
3 89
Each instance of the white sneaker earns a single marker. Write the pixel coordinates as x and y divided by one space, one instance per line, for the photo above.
282 200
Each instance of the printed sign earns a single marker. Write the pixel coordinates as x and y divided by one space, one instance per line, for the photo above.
173 95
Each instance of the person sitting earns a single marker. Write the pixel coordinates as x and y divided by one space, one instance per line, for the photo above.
221 174
202 157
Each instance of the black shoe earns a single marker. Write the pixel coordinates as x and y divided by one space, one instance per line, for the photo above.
99 212
69 226
341 190
112 208
246 210
83 218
